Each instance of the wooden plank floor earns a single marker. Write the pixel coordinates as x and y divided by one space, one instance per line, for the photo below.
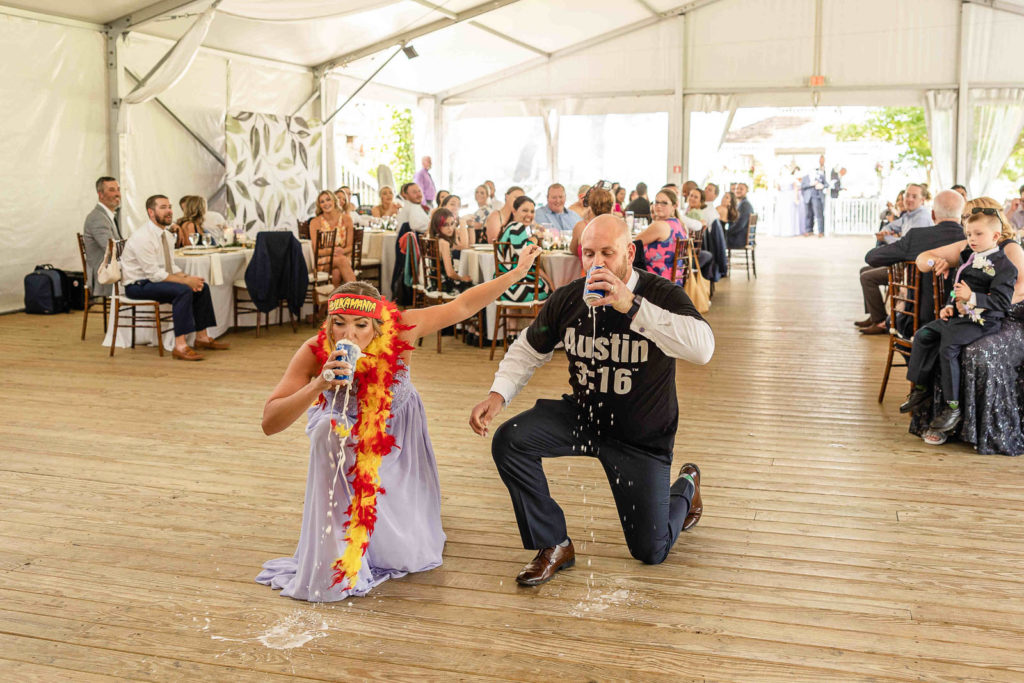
139 498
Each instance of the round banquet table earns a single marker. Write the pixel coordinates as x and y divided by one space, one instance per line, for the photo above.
478 263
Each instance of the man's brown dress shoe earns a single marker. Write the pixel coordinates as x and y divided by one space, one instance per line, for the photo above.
880 328
542 568
696 504
187 354
212 344
866 322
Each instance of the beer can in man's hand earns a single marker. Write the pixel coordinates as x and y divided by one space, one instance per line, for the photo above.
592 295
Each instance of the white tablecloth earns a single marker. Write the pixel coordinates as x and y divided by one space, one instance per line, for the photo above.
380 244
561 267
220 270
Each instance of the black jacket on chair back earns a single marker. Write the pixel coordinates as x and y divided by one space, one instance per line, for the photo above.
277 272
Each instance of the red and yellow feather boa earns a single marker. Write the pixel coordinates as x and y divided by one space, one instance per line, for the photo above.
375 373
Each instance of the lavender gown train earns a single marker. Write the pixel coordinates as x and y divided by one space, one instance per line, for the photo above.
408 535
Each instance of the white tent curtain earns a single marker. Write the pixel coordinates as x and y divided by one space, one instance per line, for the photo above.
997 118
940 117
175 63
718 111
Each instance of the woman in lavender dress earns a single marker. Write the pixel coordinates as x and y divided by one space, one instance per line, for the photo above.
407 536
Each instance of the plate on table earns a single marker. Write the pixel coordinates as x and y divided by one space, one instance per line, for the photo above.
483 247
194 251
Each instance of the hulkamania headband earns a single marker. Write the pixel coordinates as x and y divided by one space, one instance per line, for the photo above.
355 304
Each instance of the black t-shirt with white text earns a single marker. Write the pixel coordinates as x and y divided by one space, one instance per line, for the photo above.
624 384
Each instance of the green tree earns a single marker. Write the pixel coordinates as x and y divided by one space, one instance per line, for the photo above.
904 126
403 163
1014 168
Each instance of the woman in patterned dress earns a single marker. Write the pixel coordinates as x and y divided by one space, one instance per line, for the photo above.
518 233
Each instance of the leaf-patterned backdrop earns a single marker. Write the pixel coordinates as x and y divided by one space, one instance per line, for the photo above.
273 169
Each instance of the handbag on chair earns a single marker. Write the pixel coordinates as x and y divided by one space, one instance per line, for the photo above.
109 271
696 286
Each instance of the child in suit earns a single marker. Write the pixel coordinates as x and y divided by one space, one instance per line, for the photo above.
982 291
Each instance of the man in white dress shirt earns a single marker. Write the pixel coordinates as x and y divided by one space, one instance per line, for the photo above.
622 409
148 271
554 212
412 209
101 226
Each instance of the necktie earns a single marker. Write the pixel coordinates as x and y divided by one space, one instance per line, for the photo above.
167 253
117 222
969 261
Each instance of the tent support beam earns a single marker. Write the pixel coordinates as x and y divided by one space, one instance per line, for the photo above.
510 39
196 136
406 36
155 11
998 5
963 106
576 47
112 40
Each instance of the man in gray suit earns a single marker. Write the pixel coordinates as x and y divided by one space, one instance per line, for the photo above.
101 225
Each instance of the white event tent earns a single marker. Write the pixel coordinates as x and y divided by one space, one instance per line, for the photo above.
72 112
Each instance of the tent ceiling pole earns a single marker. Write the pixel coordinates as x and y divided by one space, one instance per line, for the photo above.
510 39
198 138
113 105
406 36
437 8
364 84
963 108
155 11
681 10
679 105
999 6
647 7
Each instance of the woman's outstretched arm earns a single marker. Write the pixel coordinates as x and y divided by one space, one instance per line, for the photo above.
426 321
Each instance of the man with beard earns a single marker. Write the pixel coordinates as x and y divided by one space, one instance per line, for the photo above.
622 409
148 271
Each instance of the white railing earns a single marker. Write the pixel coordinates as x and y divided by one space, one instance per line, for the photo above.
777 215
360 183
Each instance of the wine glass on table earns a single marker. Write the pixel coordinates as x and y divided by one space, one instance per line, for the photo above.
193 239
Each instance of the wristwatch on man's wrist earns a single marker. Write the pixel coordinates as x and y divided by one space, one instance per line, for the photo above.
634 308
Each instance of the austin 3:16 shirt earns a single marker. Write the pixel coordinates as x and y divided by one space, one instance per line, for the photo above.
622 373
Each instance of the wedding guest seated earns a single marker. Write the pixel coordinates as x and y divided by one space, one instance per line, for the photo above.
640 205
620 202
736 235
983 289
961 190
100 227
1015 210
149 272
633 195
329 218
554 213
659 239
498 219
946 211
193 218
916 214
412 211
596 202
387 207
695 206
992 368
479 217
442 228
892 212
463 237
517 231
577 207
710 199
441 196
492 200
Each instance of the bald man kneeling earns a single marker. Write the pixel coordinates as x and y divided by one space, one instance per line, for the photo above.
622 410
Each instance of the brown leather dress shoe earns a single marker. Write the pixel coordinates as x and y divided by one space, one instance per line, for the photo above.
212 344
542 568
866 322
880 328
187 354
696 504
